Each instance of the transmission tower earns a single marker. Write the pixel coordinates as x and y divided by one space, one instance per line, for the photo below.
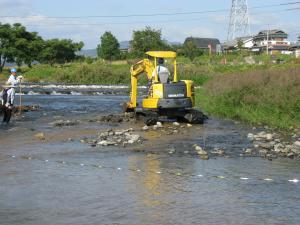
239 24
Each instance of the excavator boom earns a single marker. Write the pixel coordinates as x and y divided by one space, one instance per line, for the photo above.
140 67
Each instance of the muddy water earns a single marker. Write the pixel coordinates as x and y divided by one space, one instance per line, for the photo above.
58 181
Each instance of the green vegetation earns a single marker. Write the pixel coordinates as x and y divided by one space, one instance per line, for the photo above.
259 89
147 40
109 47
268 96
98 72
23 47
190 50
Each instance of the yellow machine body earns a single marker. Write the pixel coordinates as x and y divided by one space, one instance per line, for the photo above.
156 90
172 98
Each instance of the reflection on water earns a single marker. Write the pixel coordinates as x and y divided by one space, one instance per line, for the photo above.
139 187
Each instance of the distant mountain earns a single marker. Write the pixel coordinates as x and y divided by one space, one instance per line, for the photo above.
88 52
124 45
175 43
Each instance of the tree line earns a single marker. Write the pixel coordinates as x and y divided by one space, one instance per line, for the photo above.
17 45
20 46
143 41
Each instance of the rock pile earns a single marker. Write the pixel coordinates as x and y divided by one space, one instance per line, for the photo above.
115 118
63 123
270 145
115 138
168 128
201 152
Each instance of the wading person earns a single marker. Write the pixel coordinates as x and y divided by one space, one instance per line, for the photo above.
8 94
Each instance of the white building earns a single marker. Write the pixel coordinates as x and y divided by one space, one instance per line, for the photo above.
273 41
247 43
296 48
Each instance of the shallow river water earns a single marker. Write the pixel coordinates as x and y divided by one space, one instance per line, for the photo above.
57 181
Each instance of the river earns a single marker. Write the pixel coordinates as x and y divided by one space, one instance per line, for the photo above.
63 181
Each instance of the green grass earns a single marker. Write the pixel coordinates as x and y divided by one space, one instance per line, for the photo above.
270 97
201 70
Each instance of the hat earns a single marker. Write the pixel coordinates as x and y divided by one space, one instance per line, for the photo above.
13 70
161 61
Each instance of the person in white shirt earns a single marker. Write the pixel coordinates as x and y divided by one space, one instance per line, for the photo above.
162 71
8 94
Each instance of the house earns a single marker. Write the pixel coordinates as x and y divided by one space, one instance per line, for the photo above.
296 48
124 46
273 41
206 44
247 43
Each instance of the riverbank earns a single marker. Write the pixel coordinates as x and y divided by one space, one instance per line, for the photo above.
200 70
256 89
264 97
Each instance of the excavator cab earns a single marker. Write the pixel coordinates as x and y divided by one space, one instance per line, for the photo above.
167 96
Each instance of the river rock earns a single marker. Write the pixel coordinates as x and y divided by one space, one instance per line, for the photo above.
132 137
267 145
145 128
218 151
176 124
159 125
202 153
61 123
278 148
269 137
297 144
290 155
263 152
171 150
40 136
106 143
189 125
250 136
113 118
248 151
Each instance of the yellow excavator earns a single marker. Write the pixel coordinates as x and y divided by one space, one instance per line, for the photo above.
168 97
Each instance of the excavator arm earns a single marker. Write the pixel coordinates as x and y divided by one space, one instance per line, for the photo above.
143 66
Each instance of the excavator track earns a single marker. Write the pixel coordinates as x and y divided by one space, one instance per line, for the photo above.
195 116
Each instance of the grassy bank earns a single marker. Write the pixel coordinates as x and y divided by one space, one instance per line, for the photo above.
200 70
268 96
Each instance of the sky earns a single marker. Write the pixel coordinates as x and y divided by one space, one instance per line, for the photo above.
89 19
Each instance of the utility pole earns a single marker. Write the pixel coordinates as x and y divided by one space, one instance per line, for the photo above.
239 24
268 40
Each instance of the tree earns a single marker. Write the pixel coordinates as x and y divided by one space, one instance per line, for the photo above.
27 45
146 40
6 45
240 44
59 51
109 47
191 50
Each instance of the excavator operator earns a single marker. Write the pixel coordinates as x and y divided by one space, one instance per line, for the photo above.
162 71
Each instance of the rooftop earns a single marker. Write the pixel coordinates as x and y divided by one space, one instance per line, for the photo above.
204 42
276 33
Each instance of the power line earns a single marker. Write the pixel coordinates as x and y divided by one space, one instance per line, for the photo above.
151 15
49 23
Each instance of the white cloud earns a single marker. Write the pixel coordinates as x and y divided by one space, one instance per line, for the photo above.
15 7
